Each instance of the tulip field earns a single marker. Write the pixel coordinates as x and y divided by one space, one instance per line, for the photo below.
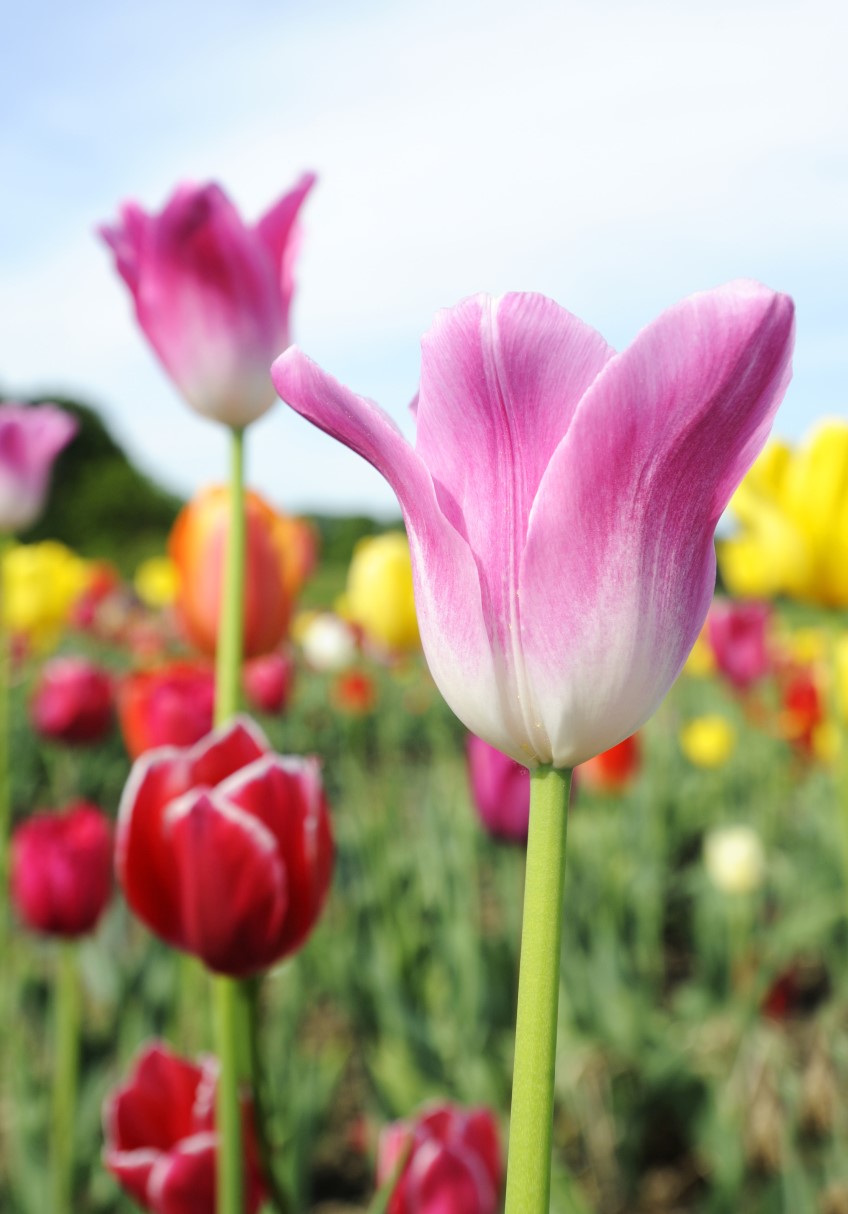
490 861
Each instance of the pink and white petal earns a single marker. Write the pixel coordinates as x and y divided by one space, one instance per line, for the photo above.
279 231
132 1169
500 380
619 567
447 585
155 1107
183 1182
126 240
232 884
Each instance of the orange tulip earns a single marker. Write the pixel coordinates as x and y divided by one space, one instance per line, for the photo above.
197 546
613 770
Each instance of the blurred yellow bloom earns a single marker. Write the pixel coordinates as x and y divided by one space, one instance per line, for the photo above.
701 662
40 584
156 582
708 741
379 596
793 511
734 859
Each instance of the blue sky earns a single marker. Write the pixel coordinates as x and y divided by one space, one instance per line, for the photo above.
615 156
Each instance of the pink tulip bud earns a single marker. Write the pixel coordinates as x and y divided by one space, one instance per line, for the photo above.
161 1141
453 1162
267 682
73 702
500 788
31 436
212 294
224 848
738 636
61 870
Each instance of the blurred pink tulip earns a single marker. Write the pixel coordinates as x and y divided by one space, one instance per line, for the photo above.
453 1165
267 682
212 294
561 500
31 436
61 876
500 789
738 636
72 702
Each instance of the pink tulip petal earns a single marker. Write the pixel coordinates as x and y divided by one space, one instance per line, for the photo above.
447 585
155 1108
278 230
232 884
184 1181
133 1169
619 565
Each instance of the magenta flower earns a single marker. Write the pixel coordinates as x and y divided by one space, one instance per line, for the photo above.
212 294
31 436
561 500
500 789
738 635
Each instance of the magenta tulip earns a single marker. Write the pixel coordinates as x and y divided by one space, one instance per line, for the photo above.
738 636
224 848
561 500
73 701
161 1141
500 789
31 436
61 874
212 294
453 1162
267 682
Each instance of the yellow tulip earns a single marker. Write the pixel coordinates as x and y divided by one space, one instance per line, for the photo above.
40 584
157 582
378 597
793 511
708 741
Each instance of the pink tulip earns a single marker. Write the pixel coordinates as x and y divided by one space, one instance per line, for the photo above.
73 702
453 1164
61 874
212 294
31 436
500 788
561 500
738 637
267 682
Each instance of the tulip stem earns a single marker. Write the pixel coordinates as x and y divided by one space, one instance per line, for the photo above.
228 1109
66 997
261 1111
531 1122
228 1006
231 622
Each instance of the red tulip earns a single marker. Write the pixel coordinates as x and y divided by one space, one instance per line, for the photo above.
802 711
500 789
160 1136
613 770
224 849
454 1163
738 637
197 547
169 705
73 701
354 692
61 875
267 682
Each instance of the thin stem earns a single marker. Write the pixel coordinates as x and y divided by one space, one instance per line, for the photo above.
228 1008
66 997
231 620
531 1123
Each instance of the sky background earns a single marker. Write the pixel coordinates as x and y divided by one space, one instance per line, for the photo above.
615 156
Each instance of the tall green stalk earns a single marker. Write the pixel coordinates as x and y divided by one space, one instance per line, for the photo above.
528 1185
66 995
228 1019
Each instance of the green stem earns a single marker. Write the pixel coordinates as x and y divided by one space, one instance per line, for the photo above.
231 620
228 1008
65 1068
528 1184
276 1194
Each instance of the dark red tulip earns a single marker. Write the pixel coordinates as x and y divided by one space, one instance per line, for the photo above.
61 876
160 1135
72 701
500 789
738 636
267 682
224 848
170 705
454 1163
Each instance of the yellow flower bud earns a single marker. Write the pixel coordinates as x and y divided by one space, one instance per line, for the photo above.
708 741
379 595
